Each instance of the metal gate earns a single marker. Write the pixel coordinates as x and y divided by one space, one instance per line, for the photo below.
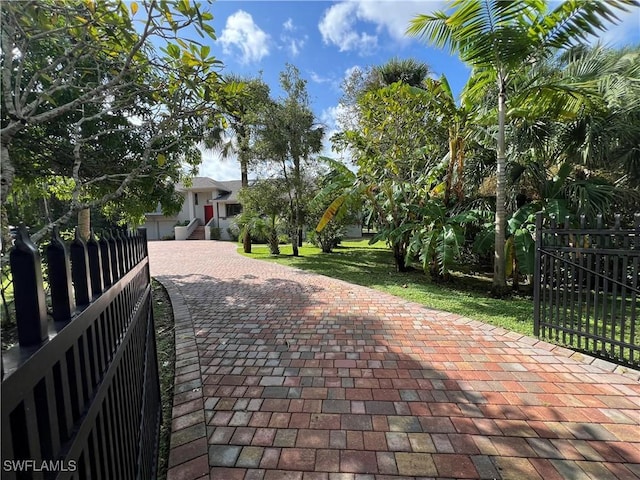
587 288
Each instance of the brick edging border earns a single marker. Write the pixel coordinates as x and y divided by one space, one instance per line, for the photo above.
188 457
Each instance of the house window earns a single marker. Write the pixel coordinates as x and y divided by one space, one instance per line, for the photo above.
195 198
233 209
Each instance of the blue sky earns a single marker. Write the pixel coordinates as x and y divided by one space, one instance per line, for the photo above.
326 40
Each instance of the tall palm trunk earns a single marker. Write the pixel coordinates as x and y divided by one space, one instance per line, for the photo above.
499 276
459 185
296 241
452 159
455 169
244 180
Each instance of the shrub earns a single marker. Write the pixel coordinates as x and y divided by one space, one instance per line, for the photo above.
234 232
215 233
328 239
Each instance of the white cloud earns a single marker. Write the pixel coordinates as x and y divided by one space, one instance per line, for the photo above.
288 25
337 28
394 17
242 34
292 44
315 77
213 166
338 25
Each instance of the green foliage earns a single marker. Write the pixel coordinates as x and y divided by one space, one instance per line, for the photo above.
288 141
242 116
264 208
500 40
397 147
337 204
438 239
105 102
215 233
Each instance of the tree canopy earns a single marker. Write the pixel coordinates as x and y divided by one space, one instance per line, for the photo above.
105 95
499 39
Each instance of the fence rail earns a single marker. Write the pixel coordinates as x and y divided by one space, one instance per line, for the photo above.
587 288
80 393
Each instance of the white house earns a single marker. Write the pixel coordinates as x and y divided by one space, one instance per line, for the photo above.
207 202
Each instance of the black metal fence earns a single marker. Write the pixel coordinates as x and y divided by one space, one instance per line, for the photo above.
80 393
587 288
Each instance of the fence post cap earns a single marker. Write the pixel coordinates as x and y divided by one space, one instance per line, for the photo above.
23 241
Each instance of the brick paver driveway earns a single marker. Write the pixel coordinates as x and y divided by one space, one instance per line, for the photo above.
283 374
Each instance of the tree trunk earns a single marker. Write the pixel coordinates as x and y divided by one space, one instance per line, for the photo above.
244 173
294 243
452 158
246 241
459 186
274 247
399 257
244 181
499 278
4 233
84 223
7 171
297 227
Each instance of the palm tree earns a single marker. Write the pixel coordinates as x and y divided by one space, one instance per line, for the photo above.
599 146
409 71
241 113
497 39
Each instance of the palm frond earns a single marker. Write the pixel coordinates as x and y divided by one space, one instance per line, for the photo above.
575 20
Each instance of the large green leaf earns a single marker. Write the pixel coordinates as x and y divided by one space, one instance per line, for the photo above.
449 242
484 240
522 216
525 247
557 209
574 20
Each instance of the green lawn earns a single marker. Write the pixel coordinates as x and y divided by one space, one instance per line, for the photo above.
372 265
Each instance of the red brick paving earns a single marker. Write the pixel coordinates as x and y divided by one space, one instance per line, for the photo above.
282 374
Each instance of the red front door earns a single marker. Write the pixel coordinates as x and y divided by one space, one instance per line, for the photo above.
208 213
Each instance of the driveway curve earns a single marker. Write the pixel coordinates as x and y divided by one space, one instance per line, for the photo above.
284 374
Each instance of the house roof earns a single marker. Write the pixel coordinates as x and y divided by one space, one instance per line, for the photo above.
232 188
227 190
202 183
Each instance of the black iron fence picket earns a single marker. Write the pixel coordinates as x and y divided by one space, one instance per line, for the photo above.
80 393
587 287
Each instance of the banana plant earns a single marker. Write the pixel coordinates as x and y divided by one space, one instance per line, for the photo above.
437 238
498 39
520 248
